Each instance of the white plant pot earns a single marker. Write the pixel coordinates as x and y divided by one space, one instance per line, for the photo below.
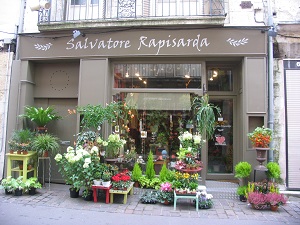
97 182
105 183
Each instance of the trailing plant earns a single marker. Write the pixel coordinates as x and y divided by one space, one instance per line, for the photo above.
205 113
40 116
136 172
242 170
150 172
46 142
273 170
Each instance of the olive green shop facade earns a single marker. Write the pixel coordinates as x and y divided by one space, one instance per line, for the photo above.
161 66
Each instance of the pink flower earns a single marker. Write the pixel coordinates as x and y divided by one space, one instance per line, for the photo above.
166 187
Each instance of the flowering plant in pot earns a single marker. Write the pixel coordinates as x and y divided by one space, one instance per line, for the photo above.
121 180
205 200
261 137
276 199
166 194
258 200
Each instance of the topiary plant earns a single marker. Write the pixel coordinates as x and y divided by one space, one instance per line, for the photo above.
242 170
163 172
150 172
136 172
273 170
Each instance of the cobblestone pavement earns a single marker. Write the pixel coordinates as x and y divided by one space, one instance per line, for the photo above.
226 204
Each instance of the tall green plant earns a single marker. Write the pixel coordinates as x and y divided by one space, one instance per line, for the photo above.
163 172
242 170
136 172
205 115
273 170
150 172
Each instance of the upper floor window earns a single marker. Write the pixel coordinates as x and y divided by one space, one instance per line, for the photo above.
78 2
177 76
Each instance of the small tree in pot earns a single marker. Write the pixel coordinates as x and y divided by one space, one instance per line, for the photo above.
242 172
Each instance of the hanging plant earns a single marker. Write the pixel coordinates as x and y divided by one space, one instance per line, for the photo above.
205 113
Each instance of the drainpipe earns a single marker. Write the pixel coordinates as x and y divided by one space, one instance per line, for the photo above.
270 81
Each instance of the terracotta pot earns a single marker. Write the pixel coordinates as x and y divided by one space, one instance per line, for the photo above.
29 167
46 154
25 152
274 208
166 202
136 184
11 151
19 152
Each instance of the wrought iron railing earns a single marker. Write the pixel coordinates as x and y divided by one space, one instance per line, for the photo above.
79 10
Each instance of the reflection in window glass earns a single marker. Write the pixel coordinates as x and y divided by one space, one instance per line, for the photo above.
157 76
220 79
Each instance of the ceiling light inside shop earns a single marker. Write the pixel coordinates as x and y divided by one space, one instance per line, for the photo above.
144 82
215 73
137 74
126 74
140 78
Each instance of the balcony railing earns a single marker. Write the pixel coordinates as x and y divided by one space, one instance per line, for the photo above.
100 10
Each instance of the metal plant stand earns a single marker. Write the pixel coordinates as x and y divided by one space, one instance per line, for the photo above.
43 159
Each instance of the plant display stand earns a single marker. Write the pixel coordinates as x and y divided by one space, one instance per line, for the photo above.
100 187
186 196
120 192
25 159
43 159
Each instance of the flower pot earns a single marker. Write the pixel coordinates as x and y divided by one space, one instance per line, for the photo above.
97 182
11 151
243 198
46 154
25 152
259 206
136 184
106 183
19 152
74 193
274 208
89 197
32 191
166 202
261 156
8 192
18 192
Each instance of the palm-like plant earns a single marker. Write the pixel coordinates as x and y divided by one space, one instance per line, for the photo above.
40 116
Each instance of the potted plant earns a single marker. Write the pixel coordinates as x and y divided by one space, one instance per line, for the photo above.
31 185
17 185
44 143
166 193
149 197
260 139
136 173
106 178
275 200
40 116
241 192
205 113
273 170
258 200
242 172
6 184
205 200
113 145
21 140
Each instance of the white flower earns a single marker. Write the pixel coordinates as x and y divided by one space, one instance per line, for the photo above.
104 143
87 160
85 165
197 139
58 157
94 149
70 149
209 196
187 136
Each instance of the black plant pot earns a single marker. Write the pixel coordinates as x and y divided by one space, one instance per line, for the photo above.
89 197
32 191
8 192
74 193
18 192
243 198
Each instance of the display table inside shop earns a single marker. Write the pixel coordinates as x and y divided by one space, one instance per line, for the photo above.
121 192
100 187
24 159
186 196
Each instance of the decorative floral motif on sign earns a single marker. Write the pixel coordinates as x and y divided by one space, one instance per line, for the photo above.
236 43
43 47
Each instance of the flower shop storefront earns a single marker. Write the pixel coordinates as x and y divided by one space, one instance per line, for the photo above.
157 75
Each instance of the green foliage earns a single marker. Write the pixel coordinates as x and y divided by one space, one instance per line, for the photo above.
144 182
171 175
163 172
40 116
273 170
205 115
155 183
242 190
6 183
95 115
136 172
242 170
22 136
193 185
45 142
85 137
17 184
32 182
149 197
150 172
